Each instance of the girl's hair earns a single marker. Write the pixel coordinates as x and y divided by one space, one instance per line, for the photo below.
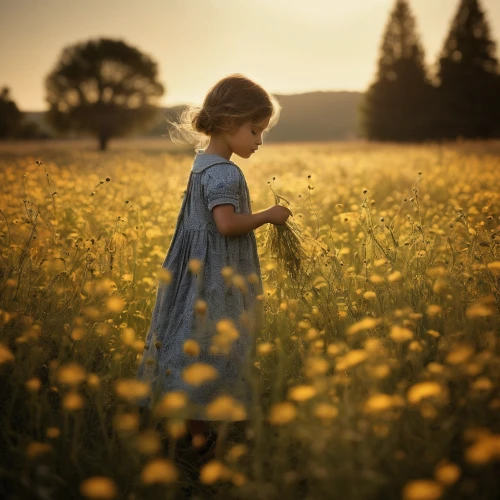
231 102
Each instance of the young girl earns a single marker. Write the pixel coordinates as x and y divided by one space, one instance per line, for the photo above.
212 300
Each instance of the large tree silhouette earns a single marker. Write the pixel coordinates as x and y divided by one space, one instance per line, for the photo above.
396 105
468 73
103 87
10 116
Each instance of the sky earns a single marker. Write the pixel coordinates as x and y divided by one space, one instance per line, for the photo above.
287 46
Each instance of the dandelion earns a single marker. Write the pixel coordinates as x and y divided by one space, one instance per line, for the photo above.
176 428
423 390
447 473
239 282
131 389
333 349
159 470
378 403
365 324
351 359
400 334
36 449
316 366
237 451
164 276
325 411
73 401
52 432
191 347
148 442
200 307
459 354
434 309
128 336
478 310
195 265
264 348
71 374
433 333
440 286
282 413
33 384
225 408
78 333
301 392
253 279
98 487
126 422
369 294
214 471
198 373
115 304
482 384
380 371
422 489
226 334
394 277
494 267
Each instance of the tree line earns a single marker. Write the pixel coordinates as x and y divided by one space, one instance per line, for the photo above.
106 88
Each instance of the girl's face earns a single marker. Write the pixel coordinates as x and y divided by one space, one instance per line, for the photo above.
247 138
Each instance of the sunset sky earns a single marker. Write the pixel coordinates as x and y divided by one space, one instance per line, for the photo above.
287 46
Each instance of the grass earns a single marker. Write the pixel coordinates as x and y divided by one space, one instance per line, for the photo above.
377 367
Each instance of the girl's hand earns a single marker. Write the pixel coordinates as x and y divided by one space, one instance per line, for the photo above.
278 214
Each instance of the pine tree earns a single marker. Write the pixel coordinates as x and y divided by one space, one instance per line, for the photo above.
469 88
397 106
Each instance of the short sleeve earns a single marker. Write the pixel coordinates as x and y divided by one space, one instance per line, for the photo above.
222 185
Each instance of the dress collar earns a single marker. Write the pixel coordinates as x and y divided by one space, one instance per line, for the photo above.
204 160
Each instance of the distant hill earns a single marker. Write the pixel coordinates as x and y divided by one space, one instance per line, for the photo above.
312 116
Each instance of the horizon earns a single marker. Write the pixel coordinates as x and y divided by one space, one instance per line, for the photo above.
310 41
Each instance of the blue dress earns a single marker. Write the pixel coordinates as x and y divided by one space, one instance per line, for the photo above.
213 180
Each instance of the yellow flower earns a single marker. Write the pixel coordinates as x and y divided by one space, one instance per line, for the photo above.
225 408
423 390
98 487
191 347
71 374
159 470
170 403
131 389
422 489
301 392
282 413
447 473
214 471
195 265
400 334
198 373
351 359
325 411
365 324
6 355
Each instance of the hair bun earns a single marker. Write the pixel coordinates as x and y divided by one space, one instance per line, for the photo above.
203 123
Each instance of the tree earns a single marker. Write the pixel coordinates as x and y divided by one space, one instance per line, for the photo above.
10 116
103 87
397 105
468 75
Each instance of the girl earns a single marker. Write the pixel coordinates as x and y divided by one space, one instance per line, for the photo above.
213 298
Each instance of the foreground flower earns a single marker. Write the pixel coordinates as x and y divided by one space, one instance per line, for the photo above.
98 487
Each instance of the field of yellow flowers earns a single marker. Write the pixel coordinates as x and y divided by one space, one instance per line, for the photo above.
377 368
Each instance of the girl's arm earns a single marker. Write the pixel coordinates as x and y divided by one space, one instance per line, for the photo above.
230 223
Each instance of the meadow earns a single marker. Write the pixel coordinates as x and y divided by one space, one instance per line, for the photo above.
377 368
